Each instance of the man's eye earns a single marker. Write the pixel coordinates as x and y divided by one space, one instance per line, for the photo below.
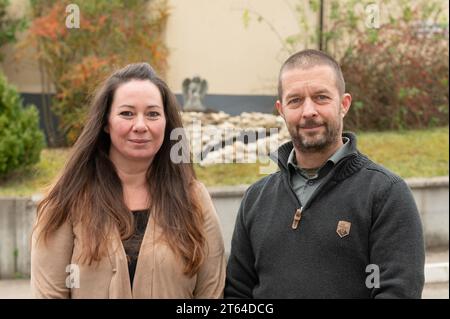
322 97
126 113
294 100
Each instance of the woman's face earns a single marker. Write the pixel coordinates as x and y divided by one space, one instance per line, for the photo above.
136 122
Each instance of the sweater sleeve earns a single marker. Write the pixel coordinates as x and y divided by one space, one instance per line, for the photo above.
49 261
397 244
211 275
241 274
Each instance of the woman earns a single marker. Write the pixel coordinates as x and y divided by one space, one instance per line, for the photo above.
123 220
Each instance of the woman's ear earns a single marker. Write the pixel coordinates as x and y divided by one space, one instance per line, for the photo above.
106 128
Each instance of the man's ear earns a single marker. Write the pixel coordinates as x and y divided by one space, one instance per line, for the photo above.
279 108
345 104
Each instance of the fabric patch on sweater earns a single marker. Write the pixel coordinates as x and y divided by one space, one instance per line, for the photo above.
343 228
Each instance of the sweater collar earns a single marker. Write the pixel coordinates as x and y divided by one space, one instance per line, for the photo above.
282 154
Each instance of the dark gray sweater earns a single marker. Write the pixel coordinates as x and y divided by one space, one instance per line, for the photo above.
270 259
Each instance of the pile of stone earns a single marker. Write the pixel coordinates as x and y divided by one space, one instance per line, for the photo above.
222 138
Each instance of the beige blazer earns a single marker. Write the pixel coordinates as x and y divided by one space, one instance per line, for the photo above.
159 272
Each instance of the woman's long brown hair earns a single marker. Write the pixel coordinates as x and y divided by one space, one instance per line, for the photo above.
89 190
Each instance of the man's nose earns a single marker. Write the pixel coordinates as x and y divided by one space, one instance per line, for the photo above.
309 108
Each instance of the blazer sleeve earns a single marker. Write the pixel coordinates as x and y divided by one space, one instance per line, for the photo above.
397 245
49 261
211 275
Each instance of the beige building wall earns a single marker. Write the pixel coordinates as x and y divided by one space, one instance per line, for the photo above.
207 38
20 67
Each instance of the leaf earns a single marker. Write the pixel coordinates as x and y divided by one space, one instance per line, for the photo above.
246 18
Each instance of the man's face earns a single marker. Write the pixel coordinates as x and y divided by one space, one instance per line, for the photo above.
312 108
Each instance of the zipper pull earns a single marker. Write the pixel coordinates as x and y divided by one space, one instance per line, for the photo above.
297 217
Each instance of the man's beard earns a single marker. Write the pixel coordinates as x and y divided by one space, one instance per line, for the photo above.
315 142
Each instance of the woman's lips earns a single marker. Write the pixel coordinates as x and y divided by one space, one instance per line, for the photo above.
139 140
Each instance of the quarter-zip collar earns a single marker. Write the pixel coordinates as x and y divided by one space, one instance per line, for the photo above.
282 154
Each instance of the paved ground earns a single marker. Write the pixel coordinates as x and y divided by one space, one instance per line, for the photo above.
436 291
20 288
15 289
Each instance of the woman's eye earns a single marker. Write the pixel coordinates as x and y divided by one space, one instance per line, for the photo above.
126 113
153 114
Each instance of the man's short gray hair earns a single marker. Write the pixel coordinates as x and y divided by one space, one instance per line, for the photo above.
310 58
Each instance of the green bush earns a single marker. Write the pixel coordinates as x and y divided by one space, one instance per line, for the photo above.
21 140
398 77
9 26
394 57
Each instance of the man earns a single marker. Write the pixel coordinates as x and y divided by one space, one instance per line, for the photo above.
331 223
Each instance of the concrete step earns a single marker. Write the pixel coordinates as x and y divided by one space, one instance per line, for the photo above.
436 266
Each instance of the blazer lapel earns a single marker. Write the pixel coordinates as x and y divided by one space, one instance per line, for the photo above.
120 286
143 277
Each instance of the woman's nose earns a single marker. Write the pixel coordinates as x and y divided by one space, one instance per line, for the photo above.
139 124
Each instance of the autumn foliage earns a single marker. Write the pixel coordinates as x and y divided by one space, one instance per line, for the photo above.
112 33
